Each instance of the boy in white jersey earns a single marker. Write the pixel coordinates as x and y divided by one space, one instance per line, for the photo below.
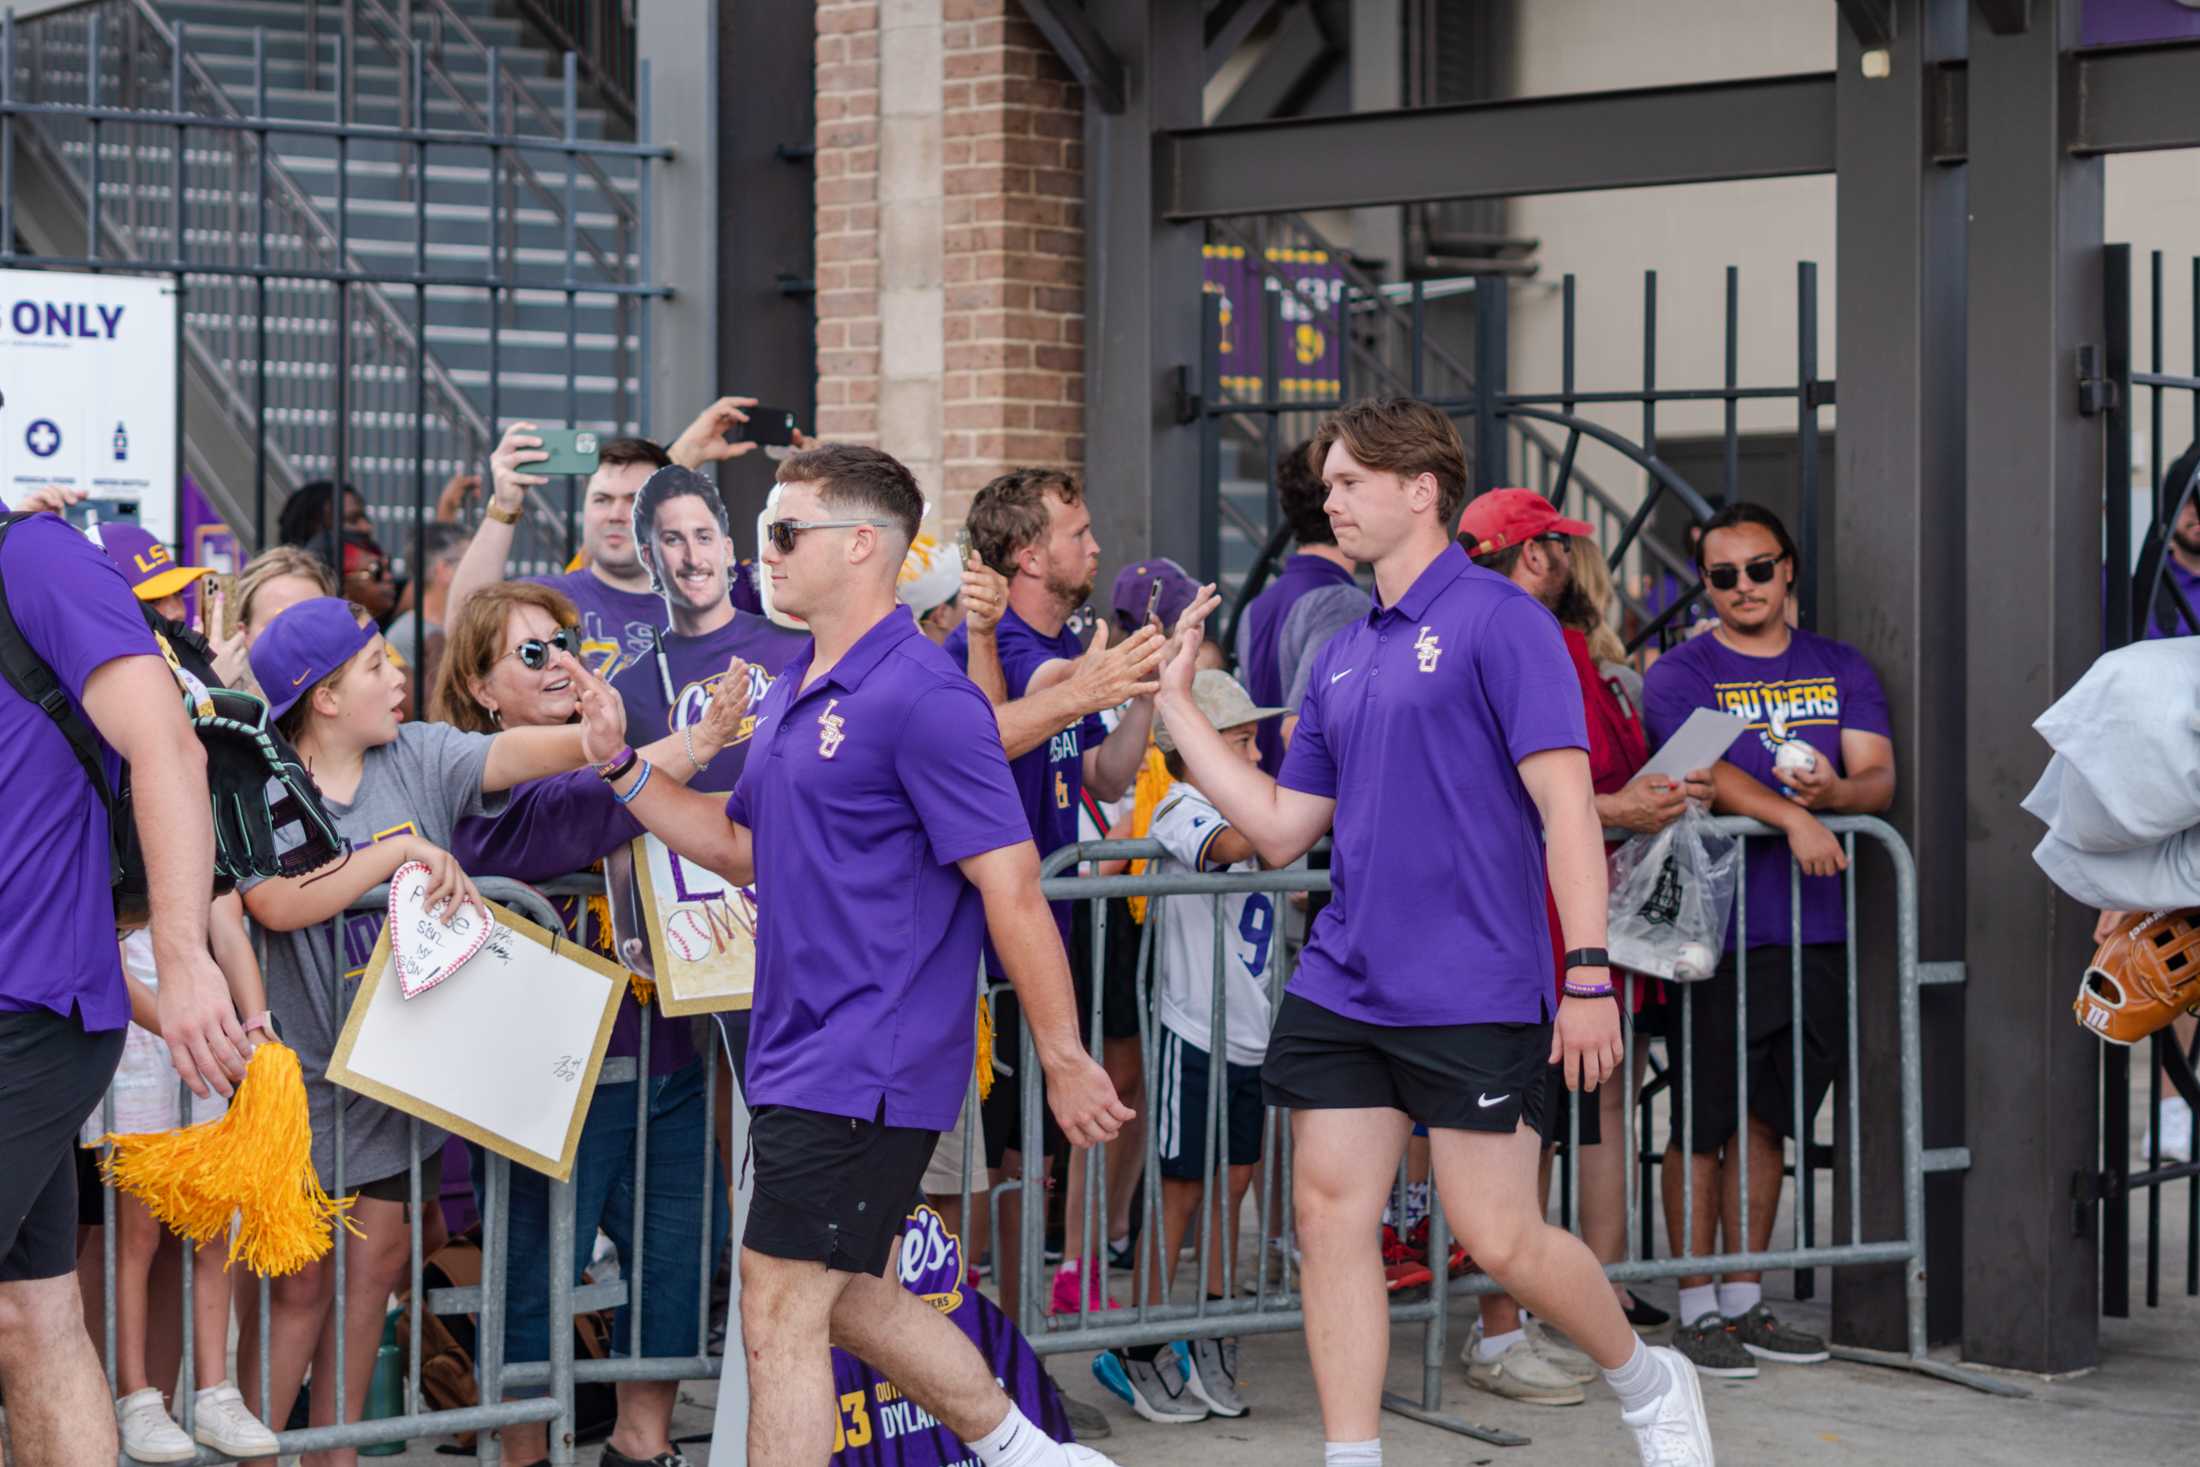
1197 838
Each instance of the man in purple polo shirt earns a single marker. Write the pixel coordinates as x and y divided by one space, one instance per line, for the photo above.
1442 742
63 1007
1818 743
878 820
1313 597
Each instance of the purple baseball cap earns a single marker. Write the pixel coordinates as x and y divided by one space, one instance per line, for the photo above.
146 564
301 646
1134 584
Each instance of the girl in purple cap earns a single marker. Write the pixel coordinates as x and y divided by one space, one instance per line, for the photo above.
397 790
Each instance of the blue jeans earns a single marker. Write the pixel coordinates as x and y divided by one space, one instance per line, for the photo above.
603 1180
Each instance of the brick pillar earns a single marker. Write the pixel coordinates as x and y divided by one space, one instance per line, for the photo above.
848 220
1013 170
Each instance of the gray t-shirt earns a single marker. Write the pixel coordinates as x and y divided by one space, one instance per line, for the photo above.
1307 627
423 784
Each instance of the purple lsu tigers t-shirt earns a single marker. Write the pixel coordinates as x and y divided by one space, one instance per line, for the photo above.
1811 692
615 624
1050 779
1415 722
862 792
77 614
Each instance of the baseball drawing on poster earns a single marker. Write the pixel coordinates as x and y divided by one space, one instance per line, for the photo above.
88 393
702 931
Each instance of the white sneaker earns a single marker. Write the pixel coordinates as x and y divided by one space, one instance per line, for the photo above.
1672 1431
220 1420
1571 1363
149 1434
1518 1373
2176 1130
1076 1454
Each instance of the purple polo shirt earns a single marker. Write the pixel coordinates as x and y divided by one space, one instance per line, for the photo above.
1260 666
863 791
77 614
1415 722
1050 779
1810 692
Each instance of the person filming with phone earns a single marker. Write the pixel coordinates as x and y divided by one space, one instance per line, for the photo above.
619 607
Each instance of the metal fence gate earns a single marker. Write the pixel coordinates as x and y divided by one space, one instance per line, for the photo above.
1328 334
2146 602
394 225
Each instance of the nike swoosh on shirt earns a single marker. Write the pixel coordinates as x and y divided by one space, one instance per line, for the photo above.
1338 676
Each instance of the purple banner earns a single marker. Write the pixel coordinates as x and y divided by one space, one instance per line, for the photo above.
205 540
2119 22
878 1426
1307 351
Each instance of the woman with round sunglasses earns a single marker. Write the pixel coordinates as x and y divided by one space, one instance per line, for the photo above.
499 671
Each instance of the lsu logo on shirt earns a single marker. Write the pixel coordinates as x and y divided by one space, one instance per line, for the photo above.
1775 711
1427 648
694 702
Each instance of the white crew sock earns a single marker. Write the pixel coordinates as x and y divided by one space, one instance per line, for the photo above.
1016 1443
1697 1300
1489 1347
1736 1300
1353 1454
1640 1381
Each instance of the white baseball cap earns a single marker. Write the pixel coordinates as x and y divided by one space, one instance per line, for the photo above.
929 575
1222 700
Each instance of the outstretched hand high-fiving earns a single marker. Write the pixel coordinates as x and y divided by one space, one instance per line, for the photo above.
603 713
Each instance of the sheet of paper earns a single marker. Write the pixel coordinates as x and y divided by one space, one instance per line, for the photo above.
1697 744
504 1052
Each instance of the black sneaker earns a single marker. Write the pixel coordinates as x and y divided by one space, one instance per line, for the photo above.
1768 1339
1710 1345
1644 1316
614 1458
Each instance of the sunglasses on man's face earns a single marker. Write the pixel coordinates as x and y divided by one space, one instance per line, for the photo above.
534 653
1727 577
783 532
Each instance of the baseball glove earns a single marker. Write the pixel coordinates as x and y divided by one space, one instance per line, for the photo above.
2142 977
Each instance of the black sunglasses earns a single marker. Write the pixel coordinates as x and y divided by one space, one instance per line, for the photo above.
1727 577
782 532
534 653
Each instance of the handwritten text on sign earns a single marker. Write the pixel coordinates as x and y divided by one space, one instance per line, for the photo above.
702 932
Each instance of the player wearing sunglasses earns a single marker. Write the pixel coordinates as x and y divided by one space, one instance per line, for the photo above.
1817 744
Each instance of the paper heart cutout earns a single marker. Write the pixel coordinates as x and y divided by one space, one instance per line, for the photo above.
424 949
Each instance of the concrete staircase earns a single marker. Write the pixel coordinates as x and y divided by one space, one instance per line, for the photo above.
431 368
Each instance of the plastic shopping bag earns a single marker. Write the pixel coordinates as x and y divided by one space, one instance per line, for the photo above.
1672 894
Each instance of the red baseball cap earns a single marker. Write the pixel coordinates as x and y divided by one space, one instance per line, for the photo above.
1506 517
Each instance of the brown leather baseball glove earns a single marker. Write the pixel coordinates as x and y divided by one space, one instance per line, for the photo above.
2144 976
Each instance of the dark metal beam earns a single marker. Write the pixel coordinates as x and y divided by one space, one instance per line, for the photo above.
2032 583
1074 38
1898 538
1228 24
2136 99
1765 127
1870 21
1298 52
2005 17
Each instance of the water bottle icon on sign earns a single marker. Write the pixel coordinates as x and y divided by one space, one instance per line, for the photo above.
122 443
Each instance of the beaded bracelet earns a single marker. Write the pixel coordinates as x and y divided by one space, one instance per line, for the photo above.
628 798
687 743
1577 991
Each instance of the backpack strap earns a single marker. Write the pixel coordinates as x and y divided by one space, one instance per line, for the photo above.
32 679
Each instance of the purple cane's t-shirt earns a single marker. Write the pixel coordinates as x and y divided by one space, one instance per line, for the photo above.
1415 722
1050 779
1812 691
694 666
77 614
1260 665
863 791
615 624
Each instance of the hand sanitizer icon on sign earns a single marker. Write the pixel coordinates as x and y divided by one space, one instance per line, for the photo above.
122 443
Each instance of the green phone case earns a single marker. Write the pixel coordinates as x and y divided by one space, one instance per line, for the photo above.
571 450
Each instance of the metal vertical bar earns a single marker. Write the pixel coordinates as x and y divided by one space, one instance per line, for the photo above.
1271 393
1210 437
420 568
1649 361
107 1243
562 1241
1806 1188
7 133
711 1193
1806 438
1491 336
2155 470
496 270
1740 1143
1420 333
1344 346
414 1300
570 102
183 296
336 1141
633 1266
1856 1131
1213 1179
92 62
646 263
259 323
1733 463
1565 379
2154 1163
2116 337
341 402
496 1217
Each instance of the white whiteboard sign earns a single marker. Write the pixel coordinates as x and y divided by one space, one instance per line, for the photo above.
88 393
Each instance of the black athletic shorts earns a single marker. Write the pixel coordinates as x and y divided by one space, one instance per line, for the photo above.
1180 1108
1708 1036
52 1076
1454 1077
832 1189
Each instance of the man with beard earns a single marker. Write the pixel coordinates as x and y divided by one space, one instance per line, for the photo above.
1520 535
1818 742
618 600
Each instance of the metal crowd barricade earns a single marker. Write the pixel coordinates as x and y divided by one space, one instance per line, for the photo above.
489 1300
1272 1302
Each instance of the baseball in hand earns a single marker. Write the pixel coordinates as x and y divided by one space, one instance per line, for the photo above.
1695 960
1794 757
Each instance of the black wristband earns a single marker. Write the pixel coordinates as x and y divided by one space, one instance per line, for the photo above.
1588 957
621 770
